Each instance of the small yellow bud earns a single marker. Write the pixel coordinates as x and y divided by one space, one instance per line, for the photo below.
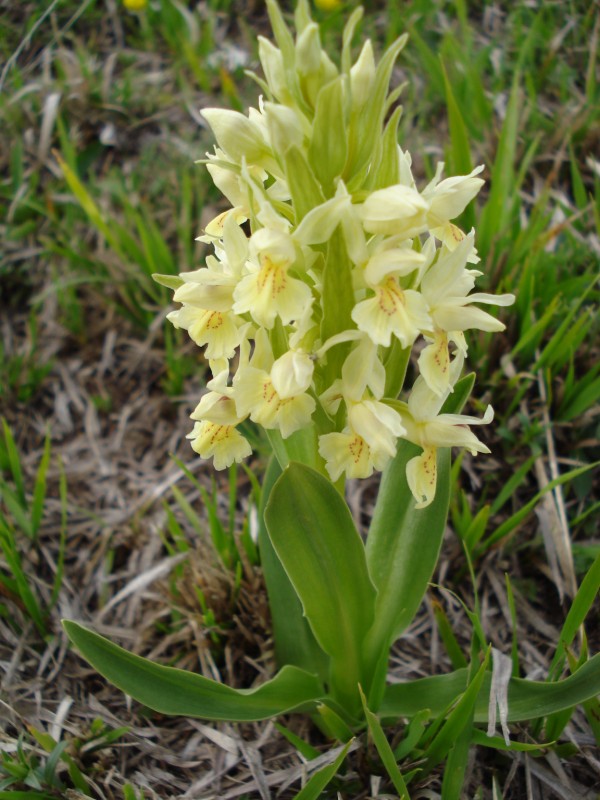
135 5
328 5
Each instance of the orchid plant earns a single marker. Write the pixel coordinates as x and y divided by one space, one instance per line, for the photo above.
331 272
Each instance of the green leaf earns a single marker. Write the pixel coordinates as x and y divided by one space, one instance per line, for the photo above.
169 690
311 529
385 751
294 641
455 402
456 765
331 723
526 699
396 364
318 781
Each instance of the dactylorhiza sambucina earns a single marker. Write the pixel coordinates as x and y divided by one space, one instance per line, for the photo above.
347 267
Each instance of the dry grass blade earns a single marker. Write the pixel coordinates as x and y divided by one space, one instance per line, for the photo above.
551 511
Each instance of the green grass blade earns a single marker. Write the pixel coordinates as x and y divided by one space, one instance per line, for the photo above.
509 488
21 579
317 782
514 648
496 213
39 489
456 655
459 719
511 524
460 162
456 764
304 748
582 603
385 751
14 462
62 543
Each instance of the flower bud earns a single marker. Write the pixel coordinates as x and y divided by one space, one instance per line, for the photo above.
291 374
394 211
237 135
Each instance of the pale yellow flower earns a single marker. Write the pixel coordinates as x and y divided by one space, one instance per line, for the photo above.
429 429
378 424
392 310
268 290
348 453
223 443
396 211
273 393
256 396
218 330
447 200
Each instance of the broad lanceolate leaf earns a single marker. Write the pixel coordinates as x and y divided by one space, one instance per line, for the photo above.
311 529
169 690
294 641
526 699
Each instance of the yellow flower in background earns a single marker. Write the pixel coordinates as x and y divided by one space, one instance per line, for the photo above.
328 5
135 5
